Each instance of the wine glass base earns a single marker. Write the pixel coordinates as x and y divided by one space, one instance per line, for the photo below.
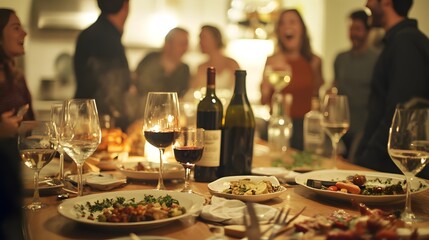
187 191
411 219
35 206
161 187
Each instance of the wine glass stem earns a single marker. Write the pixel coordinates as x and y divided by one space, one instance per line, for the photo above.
334 152
79 179
61 171
187 187
408 214
160 185
36 197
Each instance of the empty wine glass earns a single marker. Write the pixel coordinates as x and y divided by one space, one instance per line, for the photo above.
408 146
188 149
56 115
161 123
36 150
336 120
81 134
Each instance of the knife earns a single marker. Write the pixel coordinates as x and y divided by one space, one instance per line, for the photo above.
319 183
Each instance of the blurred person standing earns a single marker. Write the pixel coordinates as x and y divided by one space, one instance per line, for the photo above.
294 50
165 71
100 63
13 95
211 44
400 74
353 71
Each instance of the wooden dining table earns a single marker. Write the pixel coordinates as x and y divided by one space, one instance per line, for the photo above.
47 223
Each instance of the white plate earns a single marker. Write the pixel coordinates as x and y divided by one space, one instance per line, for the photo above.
338 175
217 187
100 181
191 202
279 172
171 170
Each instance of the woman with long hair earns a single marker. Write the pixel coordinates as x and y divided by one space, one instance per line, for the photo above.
294 53
14 94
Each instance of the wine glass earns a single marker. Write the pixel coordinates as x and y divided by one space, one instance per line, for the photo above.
161 122
279 76
56 115
336 120
81 134
36 150
408 146
188 149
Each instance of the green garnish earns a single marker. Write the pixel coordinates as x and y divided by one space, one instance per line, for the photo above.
300 159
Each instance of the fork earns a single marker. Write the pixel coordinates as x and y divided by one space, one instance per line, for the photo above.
253 231
281 222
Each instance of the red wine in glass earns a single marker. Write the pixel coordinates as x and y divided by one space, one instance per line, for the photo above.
160 139
188 156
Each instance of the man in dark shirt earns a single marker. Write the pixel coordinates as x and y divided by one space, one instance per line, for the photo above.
400 74
100 63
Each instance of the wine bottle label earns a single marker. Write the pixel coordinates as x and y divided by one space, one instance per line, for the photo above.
211 153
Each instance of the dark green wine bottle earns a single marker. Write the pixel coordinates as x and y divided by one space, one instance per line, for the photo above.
209 117
238 132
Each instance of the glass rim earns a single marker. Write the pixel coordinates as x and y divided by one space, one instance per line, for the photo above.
162 93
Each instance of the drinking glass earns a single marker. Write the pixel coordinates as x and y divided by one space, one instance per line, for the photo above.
188 149
36 150
161 123
408 146
56 115
279 76
81 134
336 120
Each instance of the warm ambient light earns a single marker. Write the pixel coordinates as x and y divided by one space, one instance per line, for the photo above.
158 25
251 54
151 154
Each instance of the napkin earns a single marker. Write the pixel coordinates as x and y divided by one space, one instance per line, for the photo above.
231 211
100 181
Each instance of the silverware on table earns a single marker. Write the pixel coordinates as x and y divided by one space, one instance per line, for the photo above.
253 231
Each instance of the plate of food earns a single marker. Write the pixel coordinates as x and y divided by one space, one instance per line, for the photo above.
369 224
137 208
247 188
139 168
361 186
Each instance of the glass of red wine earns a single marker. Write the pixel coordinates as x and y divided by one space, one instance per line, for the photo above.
188 150
161 124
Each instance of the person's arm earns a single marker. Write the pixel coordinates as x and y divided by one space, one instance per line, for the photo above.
86 85
30 113
9 123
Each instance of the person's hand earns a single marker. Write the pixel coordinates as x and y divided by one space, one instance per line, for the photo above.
9 123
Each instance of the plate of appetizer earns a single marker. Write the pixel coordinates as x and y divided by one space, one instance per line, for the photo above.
247 188
127 209
139 168
368 224
361 186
